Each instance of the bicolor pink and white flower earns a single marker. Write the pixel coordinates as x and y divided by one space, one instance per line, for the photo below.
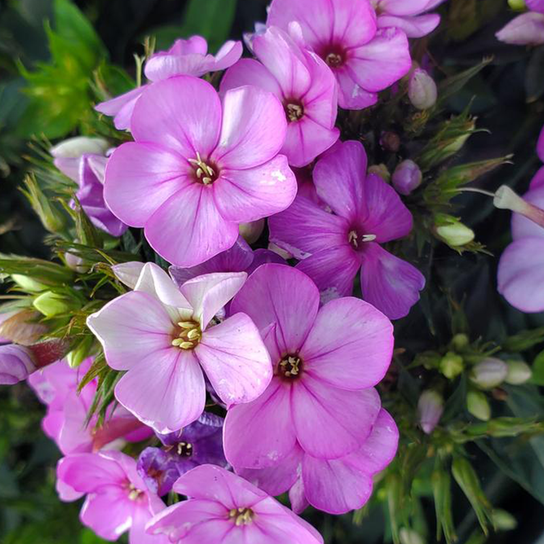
166 338
199 166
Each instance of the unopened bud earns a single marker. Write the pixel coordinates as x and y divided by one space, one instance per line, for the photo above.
73 148
478 405
390 141
407 177
460 341
380 170
422 90
16 364
51 304
503 520
76 263
518 372
22 327
52 218
28 284
80 353
128 273
489 373
451 365
430 408
251 232
452 231
409 536
517 5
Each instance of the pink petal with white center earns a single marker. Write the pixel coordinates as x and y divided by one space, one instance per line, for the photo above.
166 393
260 434
413 27
137 169
381 62
521 274
132 328
250 72
279 294
188 228
389 283
350 345
253 129
182 114
248 195
121 107
351 96
304 229
332 422
209 293
235 360
525 29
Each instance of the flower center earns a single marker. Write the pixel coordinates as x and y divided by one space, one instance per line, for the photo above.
241 516
290 367
189 335
294 111
185 449
334 60
355 240
133 493
204 173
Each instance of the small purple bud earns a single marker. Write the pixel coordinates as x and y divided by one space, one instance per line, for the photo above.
407 177
390 141
16 364
430 408
422 90
489 373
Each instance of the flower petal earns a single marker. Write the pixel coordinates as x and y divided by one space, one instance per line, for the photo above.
108 513
121 107
250 72
522 227
413 27
525 29
351 96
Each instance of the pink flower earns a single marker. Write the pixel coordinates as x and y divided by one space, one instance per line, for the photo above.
408 15
222 508
199 167
302 82
525 29
16 364
325 361
333 247
117 499
185 57
164 337
344 33
335 486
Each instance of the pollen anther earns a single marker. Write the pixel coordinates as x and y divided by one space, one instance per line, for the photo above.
241 516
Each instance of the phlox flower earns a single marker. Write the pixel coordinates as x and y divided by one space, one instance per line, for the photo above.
222 508
199 166
344 33
302 82
333 247
325 362
164 337
185 57
527 28
117 499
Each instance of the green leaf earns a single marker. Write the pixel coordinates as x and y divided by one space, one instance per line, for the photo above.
538 369
524 340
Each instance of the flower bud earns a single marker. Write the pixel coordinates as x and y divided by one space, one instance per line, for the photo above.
75 263
517 5
407 177
21 327
16 364
26 283
503 520
73 148
430 408
489 373
451 365
409 536
422 90
390 141
460 341
52 217
380 170
525 29
478 405
51 304
452 231
518 372
251 232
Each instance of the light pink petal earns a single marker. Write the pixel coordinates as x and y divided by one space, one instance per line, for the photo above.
304 228
65 492
521 274
350 345
381 62
540 145
128 273
389 283
229 54
108 513
413 27
279 294
166 393
525 29
235 360
137 169
523 227
250 72
138 533
332 422
209 293
181 113
253 129
403 8
248 195
188 229
351 96
74 435
161 67
538 181
260 434
132 328
121 107
194 44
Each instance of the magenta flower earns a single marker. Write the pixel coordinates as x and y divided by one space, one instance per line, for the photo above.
335 486
185 57
527 28
164 337
326 362
203 166
333 247
409 15
222 508
364 59
117 499
302 82
16 364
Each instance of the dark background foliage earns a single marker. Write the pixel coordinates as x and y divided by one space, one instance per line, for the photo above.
507 99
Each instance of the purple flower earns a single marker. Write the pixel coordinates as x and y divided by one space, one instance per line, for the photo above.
185 57
203 165
302 82
335 486
117 499
222 508
525 29
326 362
197 444
408 15
364 59
406 177
333 247
16 364
164 337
